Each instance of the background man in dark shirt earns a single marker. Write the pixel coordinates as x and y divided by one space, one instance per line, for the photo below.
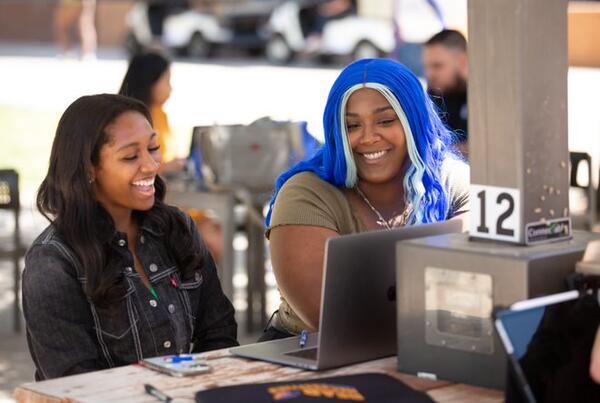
446 71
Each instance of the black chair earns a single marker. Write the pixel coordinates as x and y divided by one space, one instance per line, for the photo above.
9 200
588 218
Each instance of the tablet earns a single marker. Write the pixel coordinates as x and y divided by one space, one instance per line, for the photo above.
549 343
178 365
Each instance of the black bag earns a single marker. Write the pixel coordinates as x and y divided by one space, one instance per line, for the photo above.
377 388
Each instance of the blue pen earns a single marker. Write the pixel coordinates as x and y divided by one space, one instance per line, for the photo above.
181 358
303 338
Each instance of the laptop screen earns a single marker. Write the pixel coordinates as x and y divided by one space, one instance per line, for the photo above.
551 346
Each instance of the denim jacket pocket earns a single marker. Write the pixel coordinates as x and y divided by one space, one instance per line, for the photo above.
116 329
192 284
116 320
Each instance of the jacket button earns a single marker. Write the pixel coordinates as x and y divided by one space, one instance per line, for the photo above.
153 268
171 308
167 344
128 269
153 303
197 276
142 239
122 242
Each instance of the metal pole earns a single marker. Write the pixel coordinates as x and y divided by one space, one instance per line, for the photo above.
518 120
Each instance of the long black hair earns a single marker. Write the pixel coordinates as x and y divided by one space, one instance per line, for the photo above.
144 71
66 197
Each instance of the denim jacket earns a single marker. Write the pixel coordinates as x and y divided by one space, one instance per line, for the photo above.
68 334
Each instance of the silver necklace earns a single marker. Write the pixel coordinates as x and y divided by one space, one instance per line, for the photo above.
396 221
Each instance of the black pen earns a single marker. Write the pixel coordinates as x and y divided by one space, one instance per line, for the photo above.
151 390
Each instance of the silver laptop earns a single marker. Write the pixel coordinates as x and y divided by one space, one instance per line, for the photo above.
358 303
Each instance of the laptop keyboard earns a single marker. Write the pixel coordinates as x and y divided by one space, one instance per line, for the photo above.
306 353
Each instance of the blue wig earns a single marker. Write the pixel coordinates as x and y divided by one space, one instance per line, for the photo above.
427 138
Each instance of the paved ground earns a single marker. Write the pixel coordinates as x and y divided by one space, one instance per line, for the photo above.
15 364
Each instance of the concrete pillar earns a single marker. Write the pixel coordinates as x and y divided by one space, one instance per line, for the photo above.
518 120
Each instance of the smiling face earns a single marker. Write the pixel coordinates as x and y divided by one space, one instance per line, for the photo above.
124 178
376 137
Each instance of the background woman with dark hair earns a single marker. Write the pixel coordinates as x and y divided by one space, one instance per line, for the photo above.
118 275
148 79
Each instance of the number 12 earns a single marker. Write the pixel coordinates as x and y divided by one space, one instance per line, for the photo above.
500 230
495 212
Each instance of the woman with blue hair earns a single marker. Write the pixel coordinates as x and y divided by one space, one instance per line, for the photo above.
386 162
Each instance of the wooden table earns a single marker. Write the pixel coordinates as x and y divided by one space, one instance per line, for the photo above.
126 383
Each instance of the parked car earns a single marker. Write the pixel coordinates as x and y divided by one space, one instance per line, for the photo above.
357 36
198 34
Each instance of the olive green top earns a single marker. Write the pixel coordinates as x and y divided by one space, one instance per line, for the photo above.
306 199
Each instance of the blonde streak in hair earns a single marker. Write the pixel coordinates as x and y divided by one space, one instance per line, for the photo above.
412 180
351 172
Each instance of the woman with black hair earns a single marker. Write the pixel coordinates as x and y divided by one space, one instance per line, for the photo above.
118 275
148 79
